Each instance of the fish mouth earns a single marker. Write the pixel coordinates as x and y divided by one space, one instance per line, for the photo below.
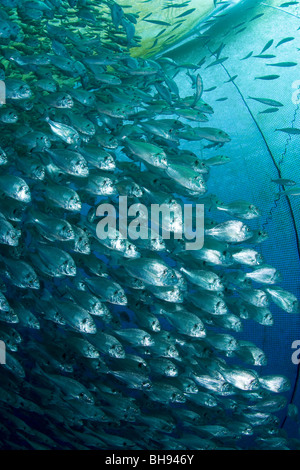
12 238
122 300
67 368
155 326
4 307
117 352
263 300
253 385
217 285
12 317
177 398
75 206
109 163
34 283
12 119
81 168
172 372
12 242
192 389
136 192
146 385
68 104
84 249
268 320
24 194
39 173
46 143
89 131
147 341
88 400
67 234
70 270
221 308
198 332
90 328
108 189
172 352
132 252
59 319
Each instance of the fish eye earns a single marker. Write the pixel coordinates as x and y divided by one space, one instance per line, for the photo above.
65 263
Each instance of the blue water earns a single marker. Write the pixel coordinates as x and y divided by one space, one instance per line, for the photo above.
255 39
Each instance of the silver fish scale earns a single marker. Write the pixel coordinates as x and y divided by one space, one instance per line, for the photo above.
108 338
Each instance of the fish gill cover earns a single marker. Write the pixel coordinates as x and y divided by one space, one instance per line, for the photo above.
117 343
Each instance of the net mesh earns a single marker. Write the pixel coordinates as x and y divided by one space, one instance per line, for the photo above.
258 151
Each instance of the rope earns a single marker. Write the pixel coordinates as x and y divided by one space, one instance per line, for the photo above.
283 155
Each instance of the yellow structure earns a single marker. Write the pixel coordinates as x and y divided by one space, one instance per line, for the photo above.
161 23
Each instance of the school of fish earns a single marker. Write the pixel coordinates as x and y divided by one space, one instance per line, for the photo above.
115 343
